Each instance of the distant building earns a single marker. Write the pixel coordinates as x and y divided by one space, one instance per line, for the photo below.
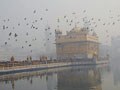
115 51
104 50
78 43
115 43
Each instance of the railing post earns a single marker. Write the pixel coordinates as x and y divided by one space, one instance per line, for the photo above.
3 67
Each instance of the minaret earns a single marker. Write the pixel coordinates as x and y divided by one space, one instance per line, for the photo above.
86 23
58 33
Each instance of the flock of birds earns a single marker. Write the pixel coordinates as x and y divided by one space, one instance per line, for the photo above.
91 24
32 25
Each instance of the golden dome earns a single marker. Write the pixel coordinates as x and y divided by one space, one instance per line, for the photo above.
76 29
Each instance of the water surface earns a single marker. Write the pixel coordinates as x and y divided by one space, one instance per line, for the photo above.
67 78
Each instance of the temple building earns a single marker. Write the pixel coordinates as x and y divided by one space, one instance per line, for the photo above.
78 43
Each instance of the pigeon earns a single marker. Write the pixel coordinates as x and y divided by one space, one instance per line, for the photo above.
3 27
25 18
34 11
15 35
64 16
30 45
41 18
46 9
5 43
10 34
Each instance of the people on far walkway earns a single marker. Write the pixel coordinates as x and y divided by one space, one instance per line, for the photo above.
12 59
30 58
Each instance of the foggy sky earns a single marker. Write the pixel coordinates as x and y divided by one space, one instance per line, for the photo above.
17 10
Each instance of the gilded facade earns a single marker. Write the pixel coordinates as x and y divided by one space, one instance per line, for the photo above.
78 43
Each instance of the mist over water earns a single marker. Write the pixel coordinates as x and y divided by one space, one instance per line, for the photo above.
27 28
69 78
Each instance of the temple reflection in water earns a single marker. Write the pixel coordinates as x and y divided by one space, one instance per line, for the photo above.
69 78
80 79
